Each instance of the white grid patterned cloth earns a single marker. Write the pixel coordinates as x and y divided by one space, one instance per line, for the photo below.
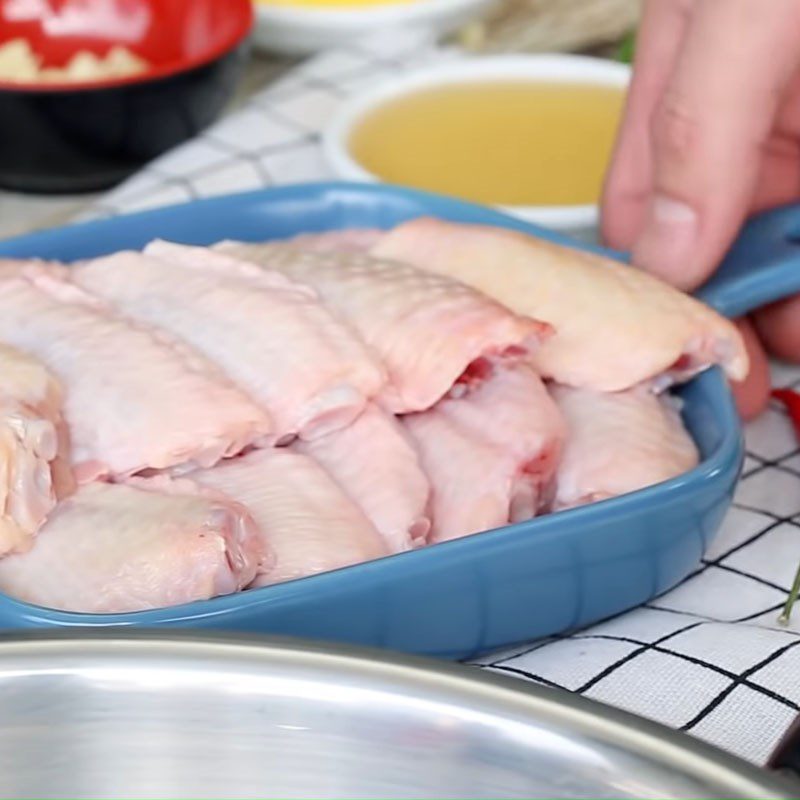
707 657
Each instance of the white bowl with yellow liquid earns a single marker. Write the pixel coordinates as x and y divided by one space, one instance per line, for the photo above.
531 135
303 27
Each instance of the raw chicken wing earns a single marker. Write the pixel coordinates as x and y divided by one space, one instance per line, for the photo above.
132 400
425 328
311 525
376 464
619 443
113 548
275 341
476 486
509 406
349 240
34 472
20 268
615 326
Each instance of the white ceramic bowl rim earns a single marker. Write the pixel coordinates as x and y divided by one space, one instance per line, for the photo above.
354 18
553 68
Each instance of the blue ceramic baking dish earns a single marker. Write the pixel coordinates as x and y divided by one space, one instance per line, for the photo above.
490 590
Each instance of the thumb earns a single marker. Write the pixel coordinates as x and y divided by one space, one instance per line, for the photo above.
708 131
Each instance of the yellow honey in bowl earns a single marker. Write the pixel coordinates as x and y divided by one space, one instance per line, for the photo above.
513 142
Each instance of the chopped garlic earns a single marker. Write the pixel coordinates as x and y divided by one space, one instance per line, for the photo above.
19 63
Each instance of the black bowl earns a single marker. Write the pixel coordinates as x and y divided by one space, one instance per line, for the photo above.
90 136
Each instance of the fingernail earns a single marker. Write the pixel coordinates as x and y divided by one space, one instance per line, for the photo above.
668 239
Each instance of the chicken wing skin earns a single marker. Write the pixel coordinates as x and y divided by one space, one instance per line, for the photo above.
309 522
112 548
274 340
475 484
132 400
425 328
618 443
34 469
509 406
377 465
615 326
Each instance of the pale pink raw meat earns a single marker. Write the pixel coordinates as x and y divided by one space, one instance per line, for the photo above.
425 328
132 400
476 485
113 548
309 522
349 240
20 268
276 341
615 326
376 464
34 472
618 443
509 406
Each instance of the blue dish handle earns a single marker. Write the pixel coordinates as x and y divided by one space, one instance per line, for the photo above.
762 266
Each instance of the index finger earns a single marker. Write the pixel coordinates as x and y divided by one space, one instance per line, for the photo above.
709 129
629 177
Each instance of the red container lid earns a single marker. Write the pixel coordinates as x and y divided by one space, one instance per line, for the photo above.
171 35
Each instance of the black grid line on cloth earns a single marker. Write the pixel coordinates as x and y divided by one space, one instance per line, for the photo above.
738 681
775 607
528 650
143 194
772 462
643 646
773 524
763 464
611 668
243 157
698 662
746 473
274 115
677 611
293 133
786 468
694 618
656 603
777 465
254 158
394 63
756 578
364 67
654 606
326 85
790 519
300 140
176 180
524 650
525 674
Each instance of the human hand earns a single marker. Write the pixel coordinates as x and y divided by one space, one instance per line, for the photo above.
711 133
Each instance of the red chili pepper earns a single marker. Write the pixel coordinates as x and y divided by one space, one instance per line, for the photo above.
791 400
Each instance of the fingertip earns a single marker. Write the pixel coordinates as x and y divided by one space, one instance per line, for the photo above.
621 217
778 326
751 399
668 241
752 394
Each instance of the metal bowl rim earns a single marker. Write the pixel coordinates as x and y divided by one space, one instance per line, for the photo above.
641 737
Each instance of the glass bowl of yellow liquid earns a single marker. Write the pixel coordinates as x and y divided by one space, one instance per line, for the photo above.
531 135
303 27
